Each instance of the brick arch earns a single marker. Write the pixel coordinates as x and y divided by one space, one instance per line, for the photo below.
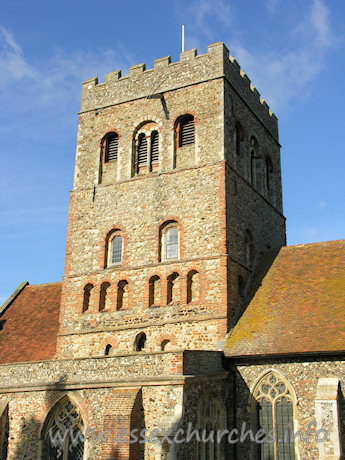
147 287
111 341
106 134
180 114
103 245
171 337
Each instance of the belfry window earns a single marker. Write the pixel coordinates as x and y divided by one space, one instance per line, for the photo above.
154 147
142 150
186 130
110 146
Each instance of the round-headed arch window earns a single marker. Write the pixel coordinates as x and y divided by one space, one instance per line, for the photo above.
115 249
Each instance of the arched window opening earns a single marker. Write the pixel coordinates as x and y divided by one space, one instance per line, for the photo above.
108 350
122 295
173 289
115 252
110 147
254 157
193 286
154 291
4 432
140 341
248 248
104 297
142 151
185 130
154 148
64 417
171 243
169 238
86 299
166 345
239 138
211 418
273 409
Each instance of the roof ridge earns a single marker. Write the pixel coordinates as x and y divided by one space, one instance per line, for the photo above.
300 245
11 298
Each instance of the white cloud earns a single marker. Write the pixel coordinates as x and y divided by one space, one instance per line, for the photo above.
281 74
12 62
57 79
321 25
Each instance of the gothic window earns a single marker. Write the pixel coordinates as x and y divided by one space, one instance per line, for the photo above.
57 445
154 148
115 250
211 418
104 296
154 290
273 409
110 147
185 130
193 286
140 341
108 350
254 158
122 295
173 289
248 248
238 138
87 294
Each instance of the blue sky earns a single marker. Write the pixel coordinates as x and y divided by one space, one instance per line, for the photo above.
293 51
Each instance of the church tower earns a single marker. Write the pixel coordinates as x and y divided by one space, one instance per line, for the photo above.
177 194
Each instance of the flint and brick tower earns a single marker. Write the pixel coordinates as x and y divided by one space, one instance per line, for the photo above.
177 192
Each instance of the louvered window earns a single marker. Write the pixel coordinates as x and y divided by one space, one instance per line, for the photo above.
186 131
142 150
111 148
154 147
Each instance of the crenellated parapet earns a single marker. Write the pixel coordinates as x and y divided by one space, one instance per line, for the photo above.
168 76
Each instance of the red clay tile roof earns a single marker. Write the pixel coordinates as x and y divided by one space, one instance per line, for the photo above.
29 326
300 306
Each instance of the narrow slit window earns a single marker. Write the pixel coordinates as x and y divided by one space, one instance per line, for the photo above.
142 151
171 243
116 250
154 147
111 148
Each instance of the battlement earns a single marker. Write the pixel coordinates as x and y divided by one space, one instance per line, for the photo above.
168 76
